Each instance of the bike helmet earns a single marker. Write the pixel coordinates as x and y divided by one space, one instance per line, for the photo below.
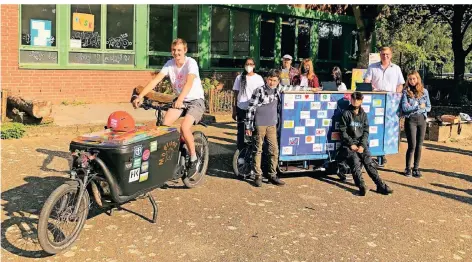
121 121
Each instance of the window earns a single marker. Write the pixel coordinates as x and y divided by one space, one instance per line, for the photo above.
288 36
120 27
304 33
92 37
230 37
330 41
160 27
267 36
188 26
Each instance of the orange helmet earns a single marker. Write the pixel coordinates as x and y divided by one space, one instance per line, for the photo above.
121 121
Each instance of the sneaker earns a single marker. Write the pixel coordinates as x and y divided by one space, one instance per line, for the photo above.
407 172
276 181
192 168
362 190
258 181
416 173
384 190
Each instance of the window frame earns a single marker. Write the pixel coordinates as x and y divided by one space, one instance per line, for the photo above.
330 41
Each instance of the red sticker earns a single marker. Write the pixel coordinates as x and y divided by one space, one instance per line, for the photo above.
307 96
347 96
146 154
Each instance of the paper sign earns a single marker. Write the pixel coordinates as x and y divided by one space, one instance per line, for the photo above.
287 150
326 122
75 43
374 58
377 103
298 97
322 114
330 146
332 105
299 130
40 32
288 124
306 97
289 97
315 105
366 108
304 114
320 132
374 143
325 97
335 136
372 129
309 139
367 99
310 122
83 22
379 111
293 141
317 147
289 104
378 120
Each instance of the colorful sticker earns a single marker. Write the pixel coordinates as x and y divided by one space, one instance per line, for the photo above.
289 97
330 146
289 105
336 125
153 146
378 120
310 122
372 129
293 141
287 150
367 99
146 154
320 132
138 151
317 147
308 97
309 139
374 143
128 165
325 97
332 105
133 175
322 114
366 108
299 130
335 136
143 177
136 162
315 105
288 124
379 111
327 122
304 114
377 103
144 167
298 97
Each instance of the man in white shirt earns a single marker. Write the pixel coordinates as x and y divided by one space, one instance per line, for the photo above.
185 79
385 75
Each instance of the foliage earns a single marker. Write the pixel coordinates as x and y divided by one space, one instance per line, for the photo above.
164 86
73 103
209 83
12 130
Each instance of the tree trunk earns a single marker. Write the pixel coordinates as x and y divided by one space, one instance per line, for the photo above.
35 108
365 38
457 49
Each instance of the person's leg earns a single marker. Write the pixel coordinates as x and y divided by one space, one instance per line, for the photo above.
352 159
260 135
420 133
366 160
171 116
411 149
240 116
273 151
186 131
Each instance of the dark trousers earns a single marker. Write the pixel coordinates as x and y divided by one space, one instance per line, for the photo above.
415 129
355 161
240 116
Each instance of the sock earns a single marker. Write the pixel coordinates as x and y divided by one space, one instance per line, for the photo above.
193 158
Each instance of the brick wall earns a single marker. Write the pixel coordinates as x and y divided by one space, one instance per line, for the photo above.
91 86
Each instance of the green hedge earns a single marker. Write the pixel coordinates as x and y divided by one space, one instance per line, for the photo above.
12 130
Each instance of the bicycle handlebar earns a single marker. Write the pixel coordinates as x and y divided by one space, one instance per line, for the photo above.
148 104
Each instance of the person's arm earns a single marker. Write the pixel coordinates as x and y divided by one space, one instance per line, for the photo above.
368 75
365 134
400 81
235 95
251 110
343 124
156 80
406 106
428 102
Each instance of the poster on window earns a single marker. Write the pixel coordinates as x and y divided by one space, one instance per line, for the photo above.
83 22
357 77
374 58
40 31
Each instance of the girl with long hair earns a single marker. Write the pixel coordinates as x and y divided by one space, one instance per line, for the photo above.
337 77
415 106
307 76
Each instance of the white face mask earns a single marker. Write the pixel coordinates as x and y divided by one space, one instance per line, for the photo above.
249 68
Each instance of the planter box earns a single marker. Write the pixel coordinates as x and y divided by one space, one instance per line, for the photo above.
443 133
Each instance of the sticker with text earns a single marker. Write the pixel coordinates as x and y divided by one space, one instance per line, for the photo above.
330 146
332 105
138 150
293 141
289 124
136 162
317 147
372 129
325 97
367 99
153 146
378 120
336 136
298 97
128 165
336 125
144 167
377 103
374 143
133 175
146 154
299 130
320 132
287 150
143 177
322 114
289 105
309 139
327 122
310 122
366 108
304 114
379 111
315 105
289 97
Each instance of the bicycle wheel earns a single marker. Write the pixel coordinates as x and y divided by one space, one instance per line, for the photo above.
242 162
58 228
203 155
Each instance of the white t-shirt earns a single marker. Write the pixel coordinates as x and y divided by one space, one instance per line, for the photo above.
342 87
385 80
304 81
253 82
178 78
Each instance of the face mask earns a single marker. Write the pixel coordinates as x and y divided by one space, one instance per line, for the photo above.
249 68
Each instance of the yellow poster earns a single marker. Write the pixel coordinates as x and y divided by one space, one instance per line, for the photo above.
83 22
374 58
357 77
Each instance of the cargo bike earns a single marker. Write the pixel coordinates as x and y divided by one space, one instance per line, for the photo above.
308 131
115 168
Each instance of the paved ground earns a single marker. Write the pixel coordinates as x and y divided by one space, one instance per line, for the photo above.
312 218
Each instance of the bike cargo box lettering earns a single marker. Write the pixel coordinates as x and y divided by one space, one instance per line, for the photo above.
118 149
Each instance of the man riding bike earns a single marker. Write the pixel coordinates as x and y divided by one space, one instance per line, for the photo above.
185 79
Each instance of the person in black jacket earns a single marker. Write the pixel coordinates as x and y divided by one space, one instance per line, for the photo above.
354 126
